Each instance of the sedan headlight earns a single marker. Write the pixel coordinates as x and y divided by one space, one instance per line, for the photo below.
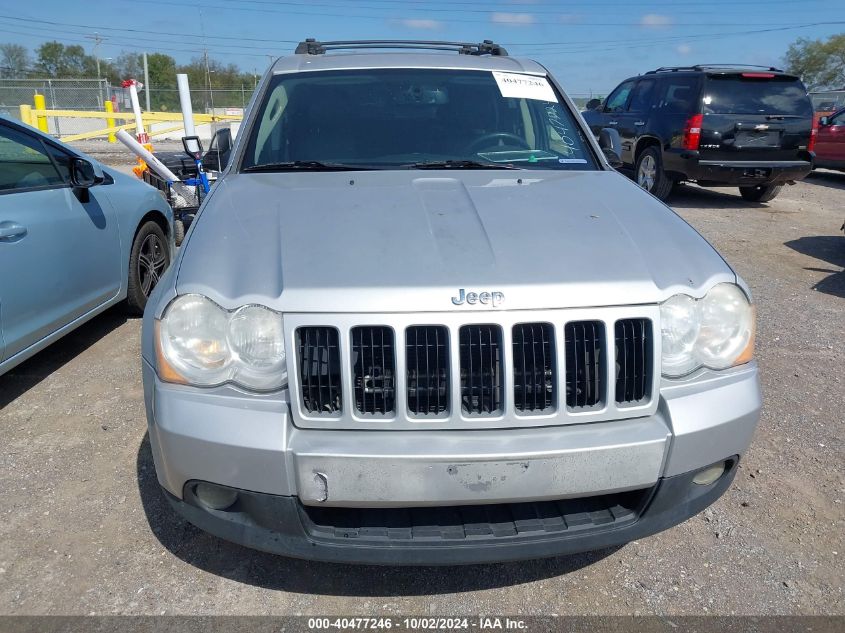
716 331
200 343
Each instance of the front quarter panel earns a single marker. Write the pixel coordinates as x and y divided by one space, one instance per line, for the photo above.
133 199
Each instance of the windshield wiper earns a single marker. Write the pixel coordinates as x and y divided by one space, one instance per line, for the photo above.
305 165
458 164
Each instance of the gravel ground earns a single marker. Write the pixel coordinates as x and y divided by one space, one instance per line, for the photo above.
84 528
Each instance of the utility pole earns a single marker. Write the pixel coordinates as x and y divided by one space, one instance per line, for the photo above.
97 39
147 82
208 80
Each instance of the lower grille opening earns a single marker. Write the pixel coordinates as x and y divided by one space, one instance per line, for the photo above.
475 522
634 364
427 363
481 369
584 364
373 369
318 350
533 362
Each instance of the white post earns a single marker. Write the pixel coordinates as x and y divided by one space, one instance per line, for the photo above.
140 132
152 162
187 109
147 83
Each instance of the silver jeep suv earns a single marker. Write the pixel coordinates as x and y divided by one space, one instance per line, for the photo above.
421 320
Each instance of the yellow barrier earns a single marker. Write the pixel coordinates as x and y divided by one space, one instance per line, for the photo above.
26 113
37 117
40 106
147 116
110 121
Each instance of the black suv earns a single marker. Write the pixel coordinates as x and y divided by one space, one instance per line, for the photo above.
750 127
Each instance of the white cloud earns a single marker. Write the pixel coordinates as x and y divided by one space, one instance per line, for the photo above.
420 23
684 49
655 21
513 19
570 18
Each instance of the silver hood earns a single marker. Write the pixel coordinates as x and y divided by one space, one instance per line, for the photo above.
409 241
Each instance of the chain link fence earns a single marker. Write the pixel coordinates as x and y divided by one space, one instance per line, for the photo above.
59 94
90 94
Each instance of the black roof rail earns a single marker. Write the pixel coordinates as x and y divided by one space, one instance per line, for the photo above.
699 67
312 46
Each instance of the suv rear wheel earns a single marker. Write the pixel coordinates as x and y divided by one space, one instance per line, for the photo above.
761 193
650 174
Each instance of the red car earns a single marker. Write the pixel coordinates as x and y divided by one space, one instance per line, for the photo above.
830 142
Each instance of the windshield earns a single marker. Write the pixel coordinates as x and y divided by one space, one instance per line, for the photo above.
828 101
406 118
735 94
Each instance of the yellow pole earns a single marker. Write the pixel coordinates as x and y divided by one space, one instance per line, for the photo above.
110 122
26 115
41 104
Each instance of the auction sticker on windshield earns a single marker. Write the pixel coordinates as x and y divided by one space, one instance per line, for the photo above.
524 86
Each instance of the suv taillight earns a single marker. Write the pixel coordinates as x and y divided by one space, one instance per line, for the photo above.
692 131
813 135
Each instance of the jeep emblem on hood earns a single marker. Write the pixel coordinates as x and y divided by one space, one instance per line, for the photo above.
487 298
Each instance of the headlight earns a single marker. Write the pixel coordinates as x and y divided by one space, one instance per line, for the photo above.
716 331
202 344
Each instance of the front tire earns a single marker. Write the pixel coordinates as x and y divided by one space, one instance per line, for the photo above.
761 193
178 231
148 260
650 174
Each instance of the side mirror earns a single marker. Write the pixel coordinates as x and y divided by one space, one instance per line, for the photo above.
611 144
824 121
593 104
83 174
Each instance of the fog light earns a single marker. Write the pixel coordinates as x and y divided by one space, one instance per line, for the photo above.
215 497
710 474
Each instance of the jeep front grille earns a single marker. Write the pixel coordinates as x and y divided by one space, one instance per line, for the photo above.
533 367
584 364
481 369
427 367
633 360
373 369
319 369
442 370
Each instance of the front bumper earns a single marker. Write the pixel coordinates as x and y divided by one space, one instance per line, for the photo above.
249 442
453 536
687 165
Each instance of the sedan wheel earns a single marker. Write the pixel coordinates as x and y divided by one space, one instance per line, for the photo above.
148 261
152 263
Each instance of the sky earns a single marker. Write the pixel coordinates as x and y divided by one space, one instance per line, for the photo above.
588 45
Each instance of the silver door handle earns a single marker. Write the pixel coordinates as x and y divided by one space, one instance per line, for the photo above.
10 230
638 123
613 122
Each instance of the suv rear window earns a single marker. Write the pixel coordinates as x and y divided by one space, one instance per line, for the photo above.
735 94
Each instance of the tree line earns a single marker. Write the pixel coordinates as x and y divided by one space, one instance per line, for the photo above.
54 60
820 63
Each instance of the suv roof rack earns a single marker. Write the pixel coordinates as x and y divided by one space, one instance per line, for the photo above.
674 69
313 47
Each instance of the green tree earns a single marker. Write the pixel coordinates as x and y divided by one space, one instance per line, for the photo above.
162 72
14 60
56 60
820 63
213 82
130 65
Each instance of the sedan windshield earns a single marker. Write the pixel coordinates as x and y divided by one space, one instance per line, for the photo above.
413 119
